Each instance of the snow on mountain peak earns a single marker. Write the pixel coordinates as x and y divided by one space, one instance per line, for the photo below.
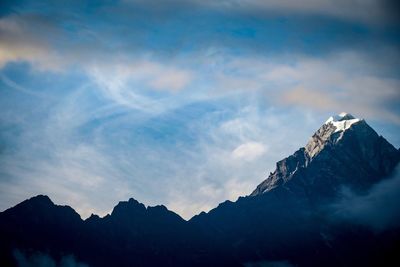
342 122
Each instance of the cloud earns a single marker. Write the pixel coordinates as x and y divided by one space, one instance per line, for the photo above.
356 82
248 151
327 85
131 83
43 260
173 80
19 42
377 209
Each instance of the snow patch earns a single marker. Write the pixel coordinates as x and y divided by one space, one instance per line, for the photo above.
342 122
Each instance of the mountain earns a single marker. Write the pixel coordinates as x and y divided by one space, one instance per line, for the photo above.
345 151
289 216
293 218
132 235
37 224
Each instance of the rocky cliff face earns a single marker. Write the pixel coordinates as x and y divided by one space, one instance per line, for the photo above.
345 151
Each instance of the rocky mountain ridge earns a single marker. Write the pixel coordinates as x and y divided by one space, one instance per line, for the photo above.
286 221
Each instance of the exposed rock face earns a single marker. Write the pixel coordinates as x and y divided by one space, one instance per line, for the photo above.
344 152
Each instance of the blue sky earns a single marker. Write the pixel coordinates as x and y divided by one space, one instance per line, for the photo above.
181 103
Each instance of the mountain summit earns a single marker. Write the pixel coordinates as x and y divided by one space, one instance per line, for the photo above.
344 151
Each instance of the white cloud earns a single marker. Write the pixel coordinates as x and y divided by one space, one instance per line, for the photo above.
248 151
128 83
172 79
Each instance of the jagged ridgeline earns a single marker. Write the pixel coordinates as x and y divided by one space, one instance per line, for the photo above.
322 206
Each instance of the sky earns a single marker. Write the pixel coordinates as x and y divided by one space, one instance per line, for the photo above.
181 103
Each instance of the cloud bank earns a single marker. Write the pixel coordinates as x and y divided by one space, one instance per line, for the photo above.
44 260
377 209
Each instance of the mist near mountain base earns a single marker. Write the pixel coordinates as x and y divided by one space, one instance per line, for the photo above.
377 209
39 259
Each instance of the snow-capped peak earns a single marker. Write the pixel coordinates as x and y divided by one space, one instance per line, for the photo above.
343 121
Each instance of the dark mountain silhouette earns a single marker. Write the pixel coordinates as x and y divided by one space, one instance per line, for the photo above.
132 235
289 219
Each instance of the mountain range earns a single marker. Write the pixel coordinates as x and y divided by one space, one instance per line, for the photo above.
331 203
